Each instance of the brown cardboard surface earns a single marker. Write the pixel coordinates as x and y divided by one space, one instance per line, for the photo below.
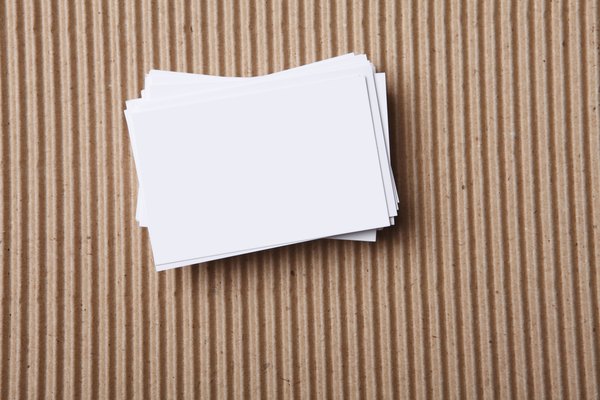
488 286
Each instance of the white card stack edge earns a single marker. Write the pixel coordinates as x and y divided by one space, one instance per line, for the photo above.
230 165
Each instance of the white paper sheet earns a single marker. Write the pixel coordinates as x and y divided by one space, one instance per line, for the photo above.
159 162
167 95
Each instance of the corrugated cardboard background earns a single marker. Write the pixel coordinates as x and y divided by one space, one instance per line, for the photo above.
488 287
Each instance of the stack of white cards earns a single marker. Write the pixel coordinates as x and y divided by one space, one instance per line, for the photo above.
229 166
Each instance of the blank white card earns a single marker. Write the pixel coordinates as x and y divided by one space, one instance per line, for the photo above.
279 150
236 207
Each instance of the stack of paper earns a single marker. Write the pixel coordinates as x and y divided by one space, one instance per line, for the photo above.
229 165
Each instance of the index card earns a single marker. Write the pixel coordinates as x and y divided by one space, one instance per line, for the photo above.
164 81
369 235
364 236
367 70
175 89
169 146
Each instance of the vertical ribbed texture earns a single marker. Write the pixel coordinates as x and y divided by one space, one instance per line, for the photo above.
488 286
